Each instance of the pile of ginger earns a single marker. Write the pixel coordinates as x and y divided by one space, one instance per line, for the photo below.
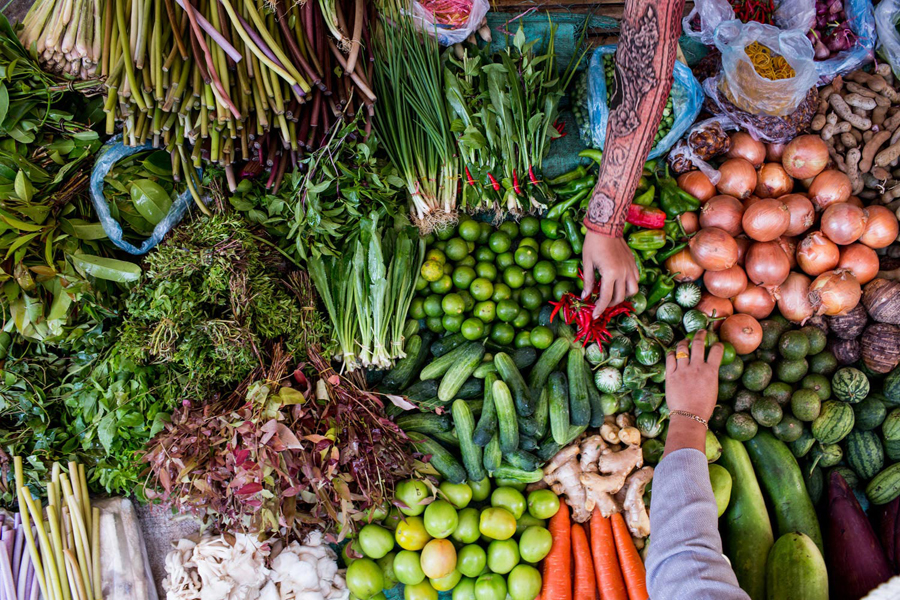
604 471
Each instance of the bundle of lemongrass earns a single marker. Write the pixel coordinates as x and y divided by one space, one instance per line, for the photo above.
66 35
66 551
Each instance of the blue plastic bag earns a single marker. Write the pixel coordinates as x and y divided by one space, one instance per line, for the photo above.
861 19
687 99
111 153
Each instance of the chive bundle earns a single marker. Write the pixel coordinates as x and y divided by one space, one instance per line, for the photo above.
66 36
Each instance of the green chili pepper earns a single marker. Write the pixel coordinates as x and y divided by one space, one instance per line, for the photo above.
645 199
640 265
661 287
647 239
627 229
594 155
576 240
675 201
569 268
572 175
643 183
649 276
556 213
576 185
550 228
665 254
674 229
638 303
650 166
648 254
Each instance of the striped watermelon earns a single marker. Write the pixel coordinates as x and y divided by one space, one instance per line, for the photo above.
834 422
865 454
850 385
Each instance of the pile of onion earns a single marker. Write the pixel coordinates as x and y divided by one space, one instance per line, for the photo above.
793 298
766 220
738 178
724 212
805 156
714 249
743 332
834 293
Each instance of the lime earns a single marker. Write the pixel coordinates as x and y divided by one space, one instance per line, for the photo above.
452 323
523 340
546 291
446 233
448 268
503 334
364 578
457 249
436 255
485 234
514 276
544 272
440 519
505 260
507 311
420 591
486 311
417 308
481 289
499 242
467 299
432 306
421 282
442 285
429 239
530 242
484 254
522 319
376 541
501 292
486 270
530 298
453 304
530 281
440 245
526 257
469 230
545 248
511 228
432 270
463 277
529 226
468 261
472 329
541 337
560 250
563 287
434 325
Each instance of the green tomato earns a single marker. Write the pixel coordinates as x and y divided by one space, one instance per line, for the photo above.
386 564
497 523
393 517
441 519
464 590
502 556
364 578
490 586
466 531
510 499
458 494
471 560
420 591
412 492
526 521
542 504
480 489
524 583
376 541
407 568
534 544
447 582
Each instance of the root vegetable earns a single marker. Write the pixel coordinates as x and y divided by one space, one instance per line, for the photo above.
726 284
871 148
743 332
882 300
843 110
744 146
766 220
793 298
738 177
636 516
880 347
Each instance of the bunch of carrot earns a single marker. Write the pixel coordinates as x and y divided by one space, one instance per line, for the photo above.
605 567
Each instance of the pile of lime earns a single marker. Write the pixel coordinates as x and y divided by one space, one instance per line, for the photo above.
478 543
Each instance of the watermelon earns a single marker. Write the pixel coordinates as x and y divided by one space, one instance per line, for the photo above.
834 422
885 486
890 428
849 476
865 454
892 449
850 385
892 387
870 413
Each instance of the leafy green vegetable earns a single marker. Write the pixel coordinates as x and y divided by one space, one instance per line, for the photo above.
140 189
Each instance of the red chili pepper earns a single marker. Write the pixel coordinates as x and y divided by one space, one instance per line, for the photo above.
531 176
469 176
516 187
494 183
647 217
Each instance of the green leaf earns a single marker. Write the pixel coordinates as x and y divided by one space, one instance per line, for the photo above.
4 102
106 431
24 189
109 269
21 241
150 200
20 225
36 212
83 230
159 423
159 163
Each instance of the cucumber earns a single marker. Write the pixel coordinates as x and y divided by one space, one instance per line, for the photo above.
492 456
441 458
524 357
547 449
439 366
526 442
595 398
447 343
447 439
425 422
460 371
484 368
511 473
527 426
403 372
795 569
579 401
559 408
513 378
522 459
507 426
465 427
541 414
472 388
487 423
748 531
780 476
546 364
421 391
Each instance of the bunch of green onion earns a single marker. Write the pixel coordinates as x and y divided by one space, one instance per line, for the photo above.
66 35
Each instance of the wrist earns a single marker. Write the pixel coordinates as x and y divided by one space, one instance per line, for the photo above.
685 432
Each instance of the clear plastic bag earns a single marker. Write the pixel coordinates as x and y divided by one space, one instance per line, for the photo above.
447 36
110 154
887 16
125 568
744 87
687 99
789 15
861 20
702 142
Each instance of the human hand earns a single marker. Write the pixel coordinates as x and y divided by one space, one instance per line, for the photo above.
612 257
692 380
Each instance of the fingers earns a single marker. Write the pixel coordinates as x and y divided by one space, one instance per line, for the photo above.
619 294
715 355
670 362
631 285
698 347
607 288
682 358
588 273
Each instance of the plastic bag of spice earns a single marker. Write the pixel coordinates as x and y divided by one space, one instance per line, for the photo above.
704 141
887 23
706 15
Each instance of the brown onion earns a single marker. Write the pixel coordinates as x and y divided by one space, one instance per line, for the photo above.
751 201
881 227
807 182
834 293
714 249
860 260
738 178
743 332
727 283
843 223
793 298
789 245
744 146
803 215
724 212
773 181
743 244
767 264
805 156
690 222
755 301
817 254
714 307
684 266
829 187
697 185
775 151
766 220
856 201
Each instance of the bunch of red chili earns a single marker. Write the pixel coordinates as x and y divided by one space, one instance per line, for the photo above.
761 11
580 311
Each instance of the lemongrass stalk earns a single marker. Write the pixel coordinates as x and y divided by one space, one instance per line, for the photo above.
213 33
78 581
82 542
126 54
68 41
35 21
95 552
85 494
26 526
98 33
52 571
53 517
54 31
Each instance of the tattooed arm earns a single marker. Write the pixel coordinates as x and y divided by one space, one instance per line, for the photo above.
644 62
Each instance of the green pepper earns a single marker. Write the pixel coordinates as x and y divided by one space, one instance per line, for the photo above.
649 277
594 155
639 264
576 240
576 185
648 254
569 268
556 213
638 303
550 228
647 239
572 175
675 201
663 285
647 400
645 199
674 229
643 183
665 254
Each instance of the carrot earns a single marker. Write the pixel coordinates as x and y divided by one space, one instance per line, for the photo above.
585 582
632 565
557 577
606 564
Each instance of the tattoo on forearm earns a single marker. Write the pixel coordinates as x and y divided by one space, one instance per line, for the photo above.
644 62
